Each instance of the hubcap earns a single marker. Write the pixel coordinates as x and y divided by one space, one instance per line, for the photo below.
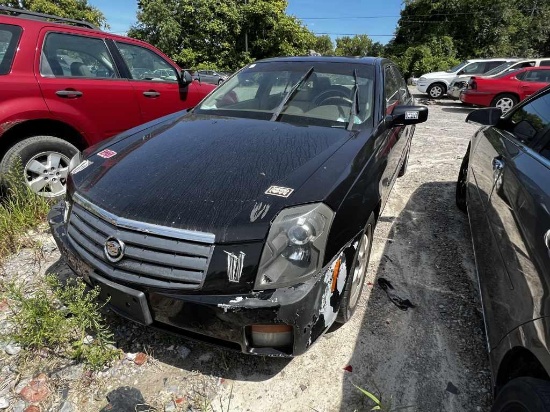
46 173
505 104
360 268
436 91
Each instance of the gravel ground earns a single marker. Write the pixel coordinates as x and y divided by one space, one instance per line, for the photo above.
432 356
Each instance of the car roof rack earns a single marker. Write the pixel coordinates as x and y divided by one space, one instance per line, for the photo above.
47 17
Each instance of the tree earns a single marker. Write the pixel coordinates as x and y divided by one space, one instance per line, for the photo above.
377 49
358 45
324 45
72 9
213 33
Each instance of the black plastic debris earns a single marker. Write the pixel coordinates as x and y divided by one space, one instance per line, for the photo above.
451 388
401 303
126 399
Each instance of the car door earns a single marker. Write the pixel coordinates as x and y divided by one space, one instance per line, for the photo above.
82 86
519 211
531 81
157 95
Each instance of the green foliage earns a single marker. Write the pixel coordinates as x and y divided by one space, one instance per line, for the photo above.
72 9
378 404
210 33
59 318
358 45
20 211
324 45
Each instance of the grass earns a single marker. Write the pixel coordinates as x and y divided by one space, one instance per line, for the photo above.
61 319
379 404
20 211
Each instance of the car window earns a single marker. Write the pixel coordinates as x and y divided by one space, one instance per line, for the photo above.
323 94
474 68
542 76
404 94
9 37
391 86
545 152
545 63
492 65
531 121
67 55
144 64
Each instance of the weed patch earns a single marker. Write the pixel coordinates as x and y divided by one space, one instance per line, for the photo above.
64 319
20 211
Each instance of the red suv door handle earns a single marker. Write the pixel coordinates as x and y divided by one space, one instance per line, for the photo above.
69 94
151 93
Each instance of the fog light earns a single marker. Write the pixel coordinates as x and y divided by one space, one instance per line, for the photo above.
270 336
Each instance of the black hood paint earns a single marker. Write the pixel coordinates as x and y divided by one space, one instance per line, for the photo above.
209 173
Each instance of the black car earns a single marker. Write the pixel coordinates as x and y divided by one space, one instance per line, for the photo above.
248 221
504 185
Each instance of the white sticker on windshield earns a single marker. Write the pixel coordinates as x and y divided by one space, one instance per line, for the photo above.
411 115
252 66
279 191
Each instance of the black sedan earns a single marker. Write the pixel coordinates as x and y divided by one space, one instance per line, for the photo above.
247 221
504 185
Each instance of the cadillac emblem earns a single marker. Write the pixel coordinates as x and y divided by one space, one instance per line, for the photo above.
114 249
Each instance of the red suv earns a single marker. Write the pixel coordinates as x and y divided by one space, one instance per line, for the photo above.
67 85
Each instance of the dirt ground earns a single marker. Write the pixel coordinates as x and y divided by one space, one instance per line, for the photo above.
432 356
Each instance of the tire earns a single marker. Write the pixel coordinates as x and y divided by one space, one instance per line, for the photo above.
436 90
523 395
220 81
505 101
461 183
405 164
352 291
45 162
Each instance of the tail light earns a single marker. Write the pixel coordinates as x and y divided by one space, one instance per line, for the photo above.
473 83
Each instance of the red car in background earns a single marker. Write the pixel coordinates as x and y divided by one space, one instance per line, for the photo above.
66 85
507 90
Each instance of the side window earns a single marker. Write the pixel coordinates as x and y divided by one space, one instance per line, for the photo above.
391 87
545 152
474 68
492 65
545 63
537 76
404 94
529 123
144 64
9 37
67 55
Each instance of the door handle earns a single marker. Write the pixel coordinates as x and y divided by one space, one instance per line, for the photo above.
498 164
69 94
151 93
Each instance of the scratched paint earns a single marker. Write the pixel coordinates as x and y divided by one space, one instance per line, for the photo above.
259 211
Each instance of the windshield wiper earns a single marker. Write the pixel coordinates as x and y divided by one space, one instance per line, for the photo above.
354 106
289 95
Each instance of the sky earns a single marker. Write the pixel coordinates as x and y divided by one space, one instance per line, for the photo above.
376 18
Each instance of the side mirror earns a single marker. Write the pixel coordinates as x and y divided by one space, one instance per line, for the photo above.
185 78
460 72
406 115
488 116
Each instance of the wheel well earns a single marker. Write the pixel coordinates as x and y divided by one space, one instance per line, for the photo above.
439 83
40 127
519 362
506 94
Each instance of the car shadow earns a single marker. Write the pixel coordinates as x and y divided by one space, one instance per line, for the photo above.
432 355
178 351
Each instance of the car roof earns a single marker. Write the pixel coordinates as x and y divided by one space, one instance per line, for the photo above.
508 59
327 59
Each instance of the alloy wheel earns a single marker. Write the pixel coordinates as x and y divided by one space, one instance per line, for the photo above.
436 91
363 252
505 104
46 173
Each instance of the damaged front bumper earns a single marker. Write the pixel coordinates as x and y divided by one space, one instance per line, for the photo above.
296 315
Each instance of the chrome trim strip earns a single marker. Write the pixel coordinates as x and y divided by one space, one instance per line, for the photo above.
149 228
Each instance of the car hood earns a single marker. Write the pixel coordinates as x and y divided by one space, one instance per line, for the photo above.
208 174
438 75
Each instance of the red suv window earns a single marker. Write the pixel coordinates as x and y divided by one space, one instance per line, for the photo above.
9 38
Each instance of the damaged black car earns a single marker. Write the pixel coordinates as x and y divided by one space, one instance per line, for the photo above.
248 221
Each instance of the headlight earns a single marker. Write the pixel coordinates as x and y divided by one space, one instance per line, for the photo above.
75 161
295 246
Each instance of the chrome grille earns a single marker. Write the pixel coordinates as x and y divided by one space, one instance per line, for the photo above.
153 255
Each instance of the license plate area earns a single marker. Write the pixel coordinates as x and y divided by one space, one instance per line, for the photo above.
125 301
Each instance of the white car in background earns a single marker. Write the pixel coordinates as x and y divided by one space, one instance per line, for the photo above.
461 82
436 84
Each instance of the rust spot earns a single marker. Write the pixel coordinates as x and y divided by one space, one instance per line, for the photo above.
4 127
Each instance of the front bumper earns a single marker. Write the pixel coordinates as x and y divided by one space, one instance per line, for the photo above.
309 308
422 86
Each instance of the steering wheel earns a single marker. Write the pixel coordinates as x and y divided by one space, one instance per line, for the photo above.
328 95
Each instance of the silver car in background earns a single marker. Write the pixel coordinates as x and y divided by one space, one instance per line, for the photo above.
210 76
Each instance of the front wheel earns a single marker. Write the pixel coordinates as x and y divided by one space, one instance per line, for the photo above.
505 102
523 395
356 276
44 161
436 90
